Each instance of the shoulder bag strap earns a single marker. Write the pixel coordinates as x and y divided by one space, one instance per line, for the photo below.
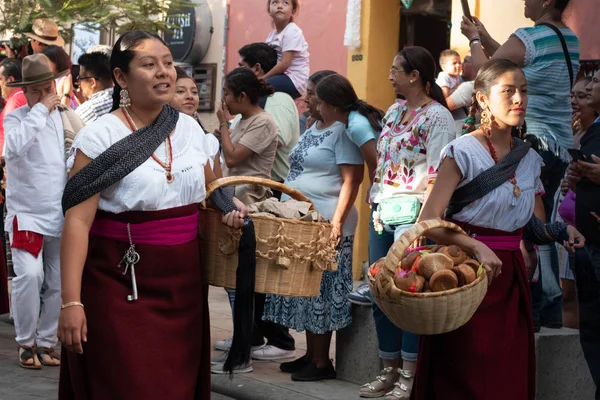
489 179
565 49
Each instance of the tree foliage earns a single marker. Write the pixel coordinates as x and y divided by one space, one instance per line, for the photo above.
17 16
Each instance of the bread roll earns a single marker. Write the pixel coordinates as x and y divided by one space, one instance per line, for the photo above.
410 282
431 263
465 274
455 253
474 264
442 280
407 262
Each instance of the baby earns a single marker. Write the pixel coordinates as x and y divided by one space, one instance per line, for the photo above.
450 77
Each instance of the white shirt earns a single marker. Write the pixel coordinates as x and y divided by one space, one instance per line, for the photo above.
499 209
36 170
291 38
146 188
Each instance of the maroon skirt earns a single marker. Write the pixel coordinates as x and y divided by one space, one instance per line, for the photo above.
492 357
155 348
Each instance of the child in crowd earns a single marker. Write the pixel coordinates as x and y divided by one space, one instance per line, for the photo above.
291 72
450 76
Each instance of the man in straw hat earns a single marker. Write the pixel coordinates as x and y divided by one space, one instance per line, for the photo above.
44 33
38 138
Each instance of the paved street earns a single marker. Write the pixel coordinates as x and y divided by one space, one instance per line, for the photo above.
266 382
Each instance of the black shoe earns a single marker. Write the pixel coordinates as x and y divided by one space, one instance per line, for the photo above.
294 366
311 373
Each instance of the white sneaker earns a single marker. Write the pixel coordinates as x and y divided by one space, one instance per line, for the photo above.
272 353
242 369
224 345
220 359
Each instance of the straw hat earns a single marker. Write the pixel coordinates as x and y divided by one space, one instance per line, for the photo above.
36 69
46 31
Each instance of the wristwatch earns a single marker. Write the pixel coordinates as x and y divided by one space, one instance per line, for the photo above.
474 41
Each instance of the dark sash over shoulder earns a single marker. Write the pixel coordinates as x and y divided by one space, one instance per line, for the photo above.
119 160
489 179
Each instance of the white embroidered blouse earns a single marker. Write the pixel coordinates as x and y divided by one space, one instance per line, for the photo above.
499 209
146 188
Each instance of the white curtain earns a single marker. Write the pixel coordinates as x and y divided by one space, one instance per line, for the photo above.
352 34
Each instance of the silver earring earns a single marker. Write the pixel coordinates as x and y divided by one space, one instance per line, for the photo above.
125 100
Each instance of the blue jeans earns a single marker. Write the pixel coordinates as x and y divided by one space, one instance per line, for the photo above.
546 293
393 341
587 279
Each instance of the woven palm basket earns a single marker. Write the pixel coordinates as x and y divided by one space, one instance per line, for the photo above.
291 255
424 313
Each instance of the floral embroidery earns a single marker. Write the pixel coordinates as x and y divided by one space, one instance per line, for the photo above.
297 155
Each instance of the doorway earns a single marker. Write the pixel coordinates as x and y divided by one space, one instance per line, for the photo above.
427 24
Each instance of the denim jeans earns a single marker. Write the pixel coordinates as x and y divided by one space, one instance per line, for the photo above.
546 293
587 279
393 342
277 335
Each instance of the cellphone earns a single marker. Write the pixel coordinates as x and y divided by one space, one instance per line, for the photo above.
466 9
576 154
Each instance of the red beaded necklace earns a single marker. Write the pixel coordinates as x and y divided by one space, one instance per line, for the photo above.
494 154
169 149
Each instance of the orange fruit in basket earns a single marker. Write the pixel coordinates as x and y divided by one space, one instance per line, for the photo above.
431 263
443 279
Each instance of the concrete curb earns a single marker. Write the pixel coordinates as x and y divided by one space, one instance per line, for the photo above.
242 388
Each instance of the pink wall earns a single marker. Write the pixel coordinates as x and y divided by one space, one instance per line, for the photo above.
582 17
323 23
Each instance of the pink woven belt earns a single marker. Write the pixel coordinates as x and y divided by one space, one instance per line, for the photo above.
165 232
501 243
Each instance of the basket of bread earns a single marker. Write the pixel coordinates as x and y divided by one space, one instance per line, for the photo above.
428 290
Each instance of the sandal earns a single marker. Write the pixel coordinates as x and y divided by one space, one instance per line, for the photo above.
48 356
28 359
403 387
381 385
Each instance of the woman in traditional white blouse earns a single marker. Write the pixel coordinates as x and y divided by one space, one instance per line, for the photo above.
129 248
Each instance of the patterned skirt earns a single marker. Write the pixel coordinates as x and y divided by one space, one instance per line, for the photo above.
330 311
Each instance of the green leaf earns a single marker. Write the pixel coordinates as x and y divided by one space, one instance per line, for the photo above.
480 270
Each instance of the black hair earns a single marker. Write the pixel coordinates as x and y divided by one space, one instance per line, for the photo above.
58 56
182 74
12 67
416 58
98 64
444 55
561 5
243 80
337 91
320 75
259 53
122 54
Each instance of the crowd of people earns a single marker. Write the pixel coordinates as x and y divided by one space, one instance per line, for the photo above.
104 172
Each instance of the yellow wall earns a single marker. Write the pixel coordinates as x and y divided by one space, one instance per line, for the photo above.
380 30
501 19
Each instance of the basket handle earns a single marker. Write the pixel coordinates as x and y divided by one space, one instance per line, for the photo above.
241 180
396 252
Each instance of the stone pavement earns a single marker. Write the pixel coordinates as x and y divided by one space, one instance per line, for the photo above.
265 383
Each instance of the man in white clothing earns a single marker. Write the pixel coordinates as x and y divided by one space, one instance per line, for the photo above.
36 176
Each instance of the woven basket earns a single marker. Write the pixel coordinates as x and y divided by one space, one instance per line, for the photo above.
291 255
424 313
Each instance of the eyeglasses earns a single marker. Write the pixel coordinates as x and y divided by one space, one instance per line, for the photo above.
83 78
394 70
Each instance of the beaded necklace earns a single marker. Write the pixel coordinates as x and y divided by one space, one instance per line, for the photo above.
169 149
494 154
